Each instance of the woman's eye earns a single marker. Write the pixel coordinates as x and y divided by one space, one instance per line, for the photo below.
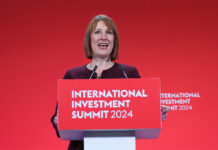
109 32
97 32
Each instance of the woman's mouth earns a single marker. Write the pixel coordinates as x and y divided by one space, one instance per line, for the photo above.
102 45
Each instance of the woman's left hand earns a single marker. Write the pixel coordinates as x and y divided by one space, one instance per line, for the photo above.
164 110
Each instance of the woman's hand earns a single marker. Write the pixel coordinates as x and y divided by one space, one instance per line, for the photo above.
56 119
164 110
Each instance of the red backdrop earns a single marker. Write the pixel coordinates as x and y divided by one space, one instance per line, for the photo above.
173 40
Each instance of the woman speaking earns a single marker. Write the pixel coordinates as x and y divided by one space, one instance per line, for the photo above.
101 45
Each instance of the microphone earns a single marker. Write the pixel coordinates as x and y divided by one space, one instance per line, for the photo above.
94 69
121 67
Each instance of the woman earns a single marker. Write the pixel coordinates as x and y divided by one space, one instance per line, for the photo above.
102 47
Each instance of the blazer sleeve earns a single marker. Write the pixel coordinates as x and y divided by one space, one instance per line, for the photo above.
131 71
55 126
135 73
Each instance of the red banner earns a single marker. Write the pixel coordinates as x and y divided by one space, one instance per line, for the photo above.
109 104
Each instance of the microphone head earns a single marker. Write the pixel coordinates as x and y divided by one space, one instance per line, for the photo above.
95 68
121 67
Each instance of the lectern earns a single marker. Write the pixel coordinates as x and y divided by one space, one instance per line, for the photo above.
109 113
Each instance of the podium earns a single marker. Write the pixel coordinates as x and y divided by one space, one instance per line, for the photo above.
109 113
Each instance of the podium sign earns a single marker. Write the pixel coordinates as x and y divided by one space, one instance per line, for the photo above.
109 105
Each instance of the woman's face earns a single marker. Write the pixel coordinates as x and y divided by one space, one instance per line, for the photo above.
102 41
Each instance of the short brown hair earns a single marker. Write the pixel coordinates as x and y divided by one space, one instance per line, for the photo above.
92 25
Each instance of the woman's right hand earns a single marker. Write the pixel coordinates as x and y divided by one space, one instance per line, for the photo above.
56 119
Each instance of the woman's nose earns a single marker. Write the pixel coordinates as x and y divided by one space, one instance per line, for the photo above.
103 36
